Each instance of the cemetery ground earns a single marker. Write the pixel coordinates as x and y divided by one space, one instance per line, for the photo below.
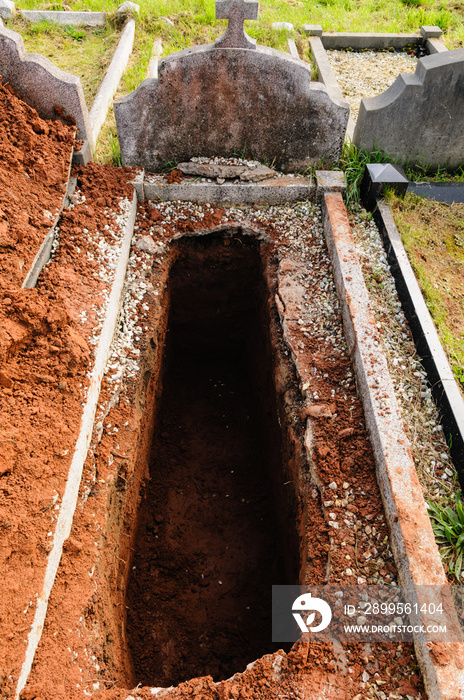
46 347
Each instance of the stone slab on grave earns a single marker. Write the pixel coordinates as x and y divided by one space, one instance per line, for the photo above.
213 100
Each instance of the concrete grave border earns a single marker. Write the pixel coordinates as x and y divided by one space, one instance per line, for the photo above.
430 36
444 386
64 18
277 190
320 41
69 17
104 97
45 251
413 542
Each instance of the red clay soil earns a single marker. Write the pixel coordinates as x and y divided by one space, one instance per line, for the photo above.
46 352
35 156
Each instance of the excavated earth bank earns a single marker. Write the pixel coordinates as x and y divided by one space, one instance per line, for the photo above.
210 477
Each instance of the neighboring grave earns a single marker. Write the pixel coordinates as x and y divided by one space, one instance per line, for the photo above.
42 85
232 97
420 118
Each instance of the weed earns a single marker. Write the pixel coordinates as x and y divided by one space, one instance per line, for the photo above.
115 149
433 236
448 527
75 33
421 172
353 162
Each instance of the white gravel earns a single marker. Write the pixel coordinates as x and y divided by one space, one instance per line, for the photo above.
420 416
368 73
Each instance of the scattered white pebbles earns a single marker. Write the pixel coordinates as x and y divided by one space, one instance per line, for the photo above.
368 73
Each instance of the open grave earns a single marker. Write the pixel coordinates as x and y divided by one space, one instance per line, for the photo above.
240 430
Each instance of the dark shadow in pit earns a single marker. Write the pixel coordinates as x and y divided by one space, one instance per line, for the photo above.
211 536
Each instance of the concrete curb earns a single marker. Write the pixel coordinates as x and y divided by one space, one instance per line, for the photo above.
109 85
157 50
7 9
372 40
413 543
327 76
278 190
435 46
292 49
87 19
68 505
444 386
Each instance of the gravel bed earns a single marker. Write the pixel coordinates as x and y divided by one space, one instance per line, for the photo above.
421 418
368 73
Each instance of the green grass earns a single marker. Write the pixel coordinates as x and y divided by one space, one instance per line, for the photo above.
333 15
353 162
448 527
424 173
433 236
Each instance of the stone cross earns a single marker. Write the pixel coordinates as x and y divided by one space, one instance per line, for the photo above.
236 11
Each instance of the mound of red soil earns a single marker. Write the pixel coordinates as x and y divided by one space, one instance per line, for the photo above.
35 157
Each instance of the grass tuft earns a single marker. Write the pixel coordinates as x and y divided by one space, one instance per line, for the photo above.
353 162
448 527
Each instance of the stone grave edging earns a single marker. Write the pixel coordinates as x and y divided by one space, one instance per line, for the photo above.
320 41
413 542
104 97
442 381
276 191
44 253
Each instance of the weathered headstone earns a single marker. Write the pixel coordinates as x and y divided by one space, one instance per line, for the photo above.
420 118
229 98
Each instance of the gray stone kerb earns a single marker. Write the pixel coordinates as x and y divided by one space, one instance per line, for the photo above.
41 84
411 535
278 190
68 17
357 41
7 9
216 102
110 82
327 76
61 17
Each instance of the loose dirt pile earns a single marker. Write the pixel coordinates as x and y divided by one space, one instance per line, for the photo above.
35 156
45 351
